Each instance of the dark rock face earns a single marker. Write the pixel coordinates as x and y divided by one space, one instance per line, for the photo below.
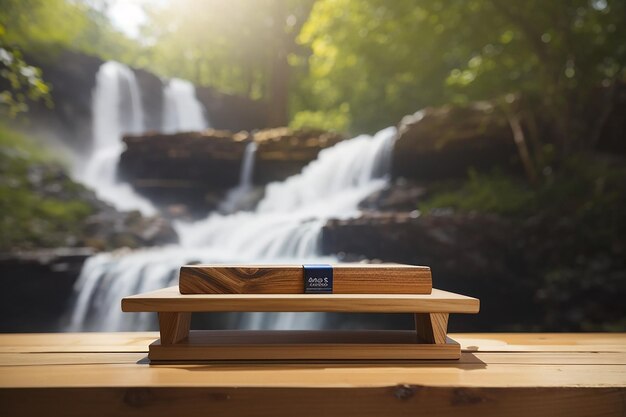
72 77
283 152
196 169
151 88
444 142
401 196
109 229
230 112
193 169
37 287
468 253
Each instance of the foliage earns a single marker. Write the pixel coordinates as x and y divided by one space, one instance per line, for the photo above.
40 205
378 59
25 83
581 187
44 27
569 232
387 59
331 120
231 45
493 193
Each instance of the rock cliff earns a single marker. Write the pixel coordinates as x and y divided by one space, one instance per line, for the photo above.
196 169
444 142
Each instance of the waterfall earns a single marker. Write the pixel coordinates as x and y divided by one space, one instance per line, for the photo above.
182 112
284 228
116 110
240 196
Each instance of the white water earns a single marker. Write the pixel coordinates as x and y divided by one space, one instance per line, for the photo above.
285 228
116 109
182 112
239 196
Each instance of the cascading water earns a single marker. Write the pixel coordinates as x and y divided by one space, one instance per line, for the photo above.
239 196
285 227
182 112
116 109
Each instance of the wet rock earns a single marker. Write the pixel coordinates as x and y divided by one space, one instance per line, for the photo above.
64 213
402 195
474 254
109 229
197 169
444 142
37 287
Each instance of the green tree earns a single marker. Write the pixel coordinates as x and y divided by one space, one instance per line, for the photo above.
42 28
386 59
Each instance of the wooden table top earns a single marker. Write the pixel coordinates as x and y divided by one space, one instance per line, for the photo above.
585 372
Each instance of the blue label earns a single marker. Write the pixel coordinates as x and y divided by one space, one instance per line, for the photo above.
318 279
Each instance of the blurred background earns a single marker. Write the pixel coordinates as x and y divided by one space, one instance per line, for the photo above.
483 138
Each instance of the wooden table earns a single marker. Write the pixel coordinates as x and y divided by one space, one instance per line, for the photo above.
93 374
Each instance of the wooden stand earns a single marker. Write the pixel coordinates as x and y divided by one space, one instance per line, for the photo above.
178 343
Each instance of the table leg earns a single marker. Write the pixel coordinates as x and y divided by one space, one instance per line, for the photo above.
174 327
431 327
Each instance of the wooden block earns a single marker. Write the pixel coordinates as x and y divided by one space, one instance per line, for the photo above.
170 300
289 279
431 327
302 345
174 327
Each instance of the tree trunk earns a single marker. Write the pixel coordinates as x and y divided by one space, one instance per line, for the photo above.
279 70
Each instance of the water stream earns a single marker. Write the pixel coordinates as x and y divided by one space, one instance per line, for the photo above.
182 112
116 109
240 196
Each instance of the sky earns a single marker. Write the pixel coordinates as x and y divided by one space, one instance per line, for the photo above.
128 15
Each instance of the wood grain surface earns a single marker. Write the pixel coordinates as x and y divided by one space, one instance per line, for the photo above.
400 400
289 279
170 300
104 374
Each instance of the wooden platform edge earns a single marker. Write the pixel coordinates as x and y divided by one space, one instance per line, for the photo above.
171 300
317 345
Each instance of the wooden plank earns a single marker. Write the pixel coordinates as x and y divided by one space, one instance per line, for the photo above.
70 358
77 342
516 369
398 400
170 300
538 342
567 343
542 339
486 358
302 345
289 279
305 375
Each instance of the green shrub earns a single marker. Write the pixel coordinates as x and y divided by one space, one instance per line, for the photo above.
495 193
40 205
